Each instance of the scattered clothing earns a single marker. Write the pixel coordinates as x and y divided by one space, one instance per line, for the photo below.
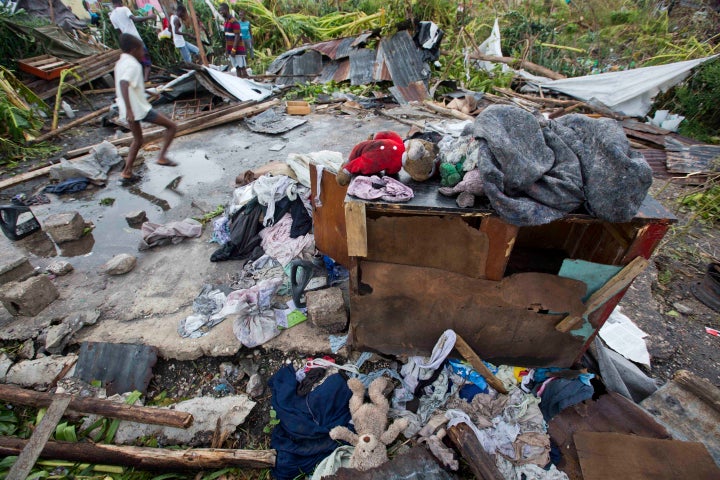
221 230
339 458
155 234
386 189
337 342
244 240
302 437
255 319
559 393
276 241
71 185
93 166
270 189
23 200
209 302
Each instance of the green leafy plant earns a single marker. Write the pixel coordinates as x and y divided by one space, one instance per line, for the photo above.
272 422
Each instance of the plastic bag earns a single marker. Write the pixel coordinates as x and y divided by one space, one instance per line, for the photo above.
255 327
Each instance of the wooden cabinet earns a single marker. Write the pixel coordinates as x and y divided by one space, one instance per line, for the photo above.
424 266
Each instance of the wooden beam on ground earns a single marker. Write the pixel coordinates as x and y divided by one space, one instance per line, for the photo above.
623 278
481 463
196 27
518 63
33 447
195 124
447 111
96 406
145 458
469 354
72 124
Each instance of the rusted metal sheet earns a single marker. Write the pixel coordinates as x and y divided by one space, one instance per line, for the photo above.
417 464
404 62
407 309
121 367
685 159
335 49
414 92
689 408
610 413
387 239
616 455
361 66
657 159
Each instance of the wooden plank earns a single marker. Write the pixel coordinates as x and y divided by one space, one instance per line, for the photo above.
196 28
467 253
469 354
481 463
30 453
618 283
50 66
72 124
329 218
145 458
501 237
400 309
105 408
356 229
701 388
606 455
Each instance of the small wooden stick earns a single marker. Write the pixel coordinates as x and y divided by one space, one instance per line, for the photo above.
469 354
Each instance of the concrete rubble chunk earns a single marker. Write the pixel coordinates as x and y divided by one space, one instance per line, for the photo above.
232 411
136 219
27 351
14 268
255 386
60 268
29 297
39 372
119 264
58 336
326 309
64 227
5 364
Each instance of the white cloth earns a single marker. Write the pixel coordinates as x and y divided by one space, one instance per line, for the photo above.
121 20
300 163
270 189
340 457
178 40
129 69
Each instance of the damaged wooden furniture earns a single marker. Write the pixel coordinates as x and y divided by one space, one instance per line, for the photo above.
421 267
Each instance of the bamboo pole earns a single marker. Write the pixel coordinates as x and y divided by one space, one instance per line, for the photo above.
72 124
105 408
532 67
145 458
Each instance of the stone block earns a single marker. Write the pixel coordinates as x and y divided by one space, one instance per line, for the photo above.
119 264
326 309
136 219
60 268
39 372
15 268
29 297
64 227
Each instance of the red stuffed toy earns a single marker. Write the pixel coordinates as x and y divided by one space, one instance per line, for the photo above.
383 152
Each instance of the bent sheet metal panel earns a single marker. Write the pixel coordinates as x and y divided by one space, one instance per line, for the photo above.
409 308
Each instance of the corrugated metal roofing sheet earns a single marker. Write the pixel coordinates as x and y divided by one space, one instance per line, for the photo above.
403 59
362 61
414 92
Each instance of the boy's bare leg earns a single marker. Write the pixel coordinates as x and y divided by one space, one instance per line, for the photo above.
136 130
170 130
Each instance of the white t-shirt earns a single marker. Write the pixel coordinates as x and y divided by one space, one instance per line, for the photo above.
120 18
129 69
178 40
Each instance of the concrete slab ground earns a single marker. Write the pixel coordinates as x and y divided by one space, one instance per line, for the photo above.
146 304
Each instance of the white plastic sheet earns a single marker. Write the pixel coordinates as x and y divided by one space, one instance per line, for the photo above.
628 92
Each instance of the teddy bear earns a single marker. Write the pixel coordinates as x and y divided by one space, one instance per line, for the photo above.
420 159
382 153
370 420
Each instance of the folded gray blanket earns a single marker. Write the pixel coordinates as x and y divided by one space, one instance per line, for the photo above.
536 171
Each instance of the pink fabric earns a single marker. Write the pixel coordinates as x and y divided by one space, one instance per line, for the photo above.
384 188
277 243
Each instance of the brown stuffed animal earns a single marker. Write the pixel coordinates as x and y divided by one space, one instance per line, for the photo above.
420 159
370 420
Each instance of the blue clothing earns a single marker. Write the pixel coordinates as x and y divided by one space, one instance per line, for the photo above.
302 437
187 50
70 185
245 30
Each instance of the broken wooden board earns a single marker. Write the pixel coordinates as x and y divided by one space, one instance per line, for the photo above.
616 455
505 322
689 407
448 243
329 216
610 413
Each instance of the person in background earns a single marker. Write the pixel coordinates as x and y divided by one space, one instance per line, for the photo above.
134 106
176 25
123 20
234 47
246 32
94 17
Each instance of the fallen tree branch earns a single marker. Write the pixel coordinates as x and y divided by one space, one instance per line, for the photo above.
146 458
517 63
447 111
102 407
74 123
